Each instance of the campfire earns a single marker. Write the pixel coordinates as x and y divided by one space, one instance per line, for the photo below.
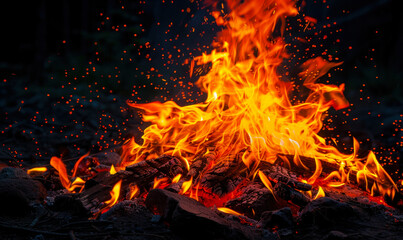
244 163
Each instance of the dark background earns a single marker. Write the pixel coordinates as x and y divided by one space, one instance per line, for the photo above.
68 66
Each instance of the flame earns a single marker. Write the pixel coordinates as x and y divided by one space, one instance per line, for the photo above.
248 103
112 171
58 164
265 181
115 192
229 211
186 185
157 182
36 170
78 163
319 194
77 183
134 191
176 178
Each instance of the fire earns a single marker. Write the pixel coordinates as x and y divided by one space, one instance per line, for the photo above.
186 185
58 164
229 211
115 192
248 103
176 178
134 191
158 182
266 181
320 193
112 171
37 170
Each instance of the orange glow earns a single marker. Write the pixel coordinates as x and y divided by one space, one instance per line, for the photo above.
115 192
229 211
37 170
176 178
319 194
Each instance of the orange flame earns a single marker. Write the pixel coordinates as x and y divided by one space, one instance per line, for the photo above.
78 163
248 104
158 182
61 169
265 181
115 192
134 191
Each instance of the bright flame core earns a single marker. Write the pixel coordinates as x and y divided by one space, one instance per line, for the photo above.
248 104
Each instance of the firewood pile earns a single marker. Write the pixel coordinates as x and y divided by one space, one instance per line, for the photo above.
232 205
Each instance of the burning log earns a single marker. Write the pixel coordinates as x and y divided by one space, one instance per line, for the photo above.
142 174
395 199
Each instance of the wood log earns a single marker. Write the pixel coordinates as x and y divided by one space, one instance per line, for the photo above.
395 200
97 190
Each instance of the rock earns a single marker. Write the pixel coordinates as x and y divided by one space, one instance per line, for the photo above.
325 212
127 209
108 158
18 191
190 218
17 179
68 203
335 235
255 200
13 202
277 219
13 173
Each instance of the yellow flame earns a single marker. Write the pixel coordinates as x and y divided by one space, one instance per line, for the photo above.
319 194
176 178
266 181
112 171
37 170
186 185
115 192
229 211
